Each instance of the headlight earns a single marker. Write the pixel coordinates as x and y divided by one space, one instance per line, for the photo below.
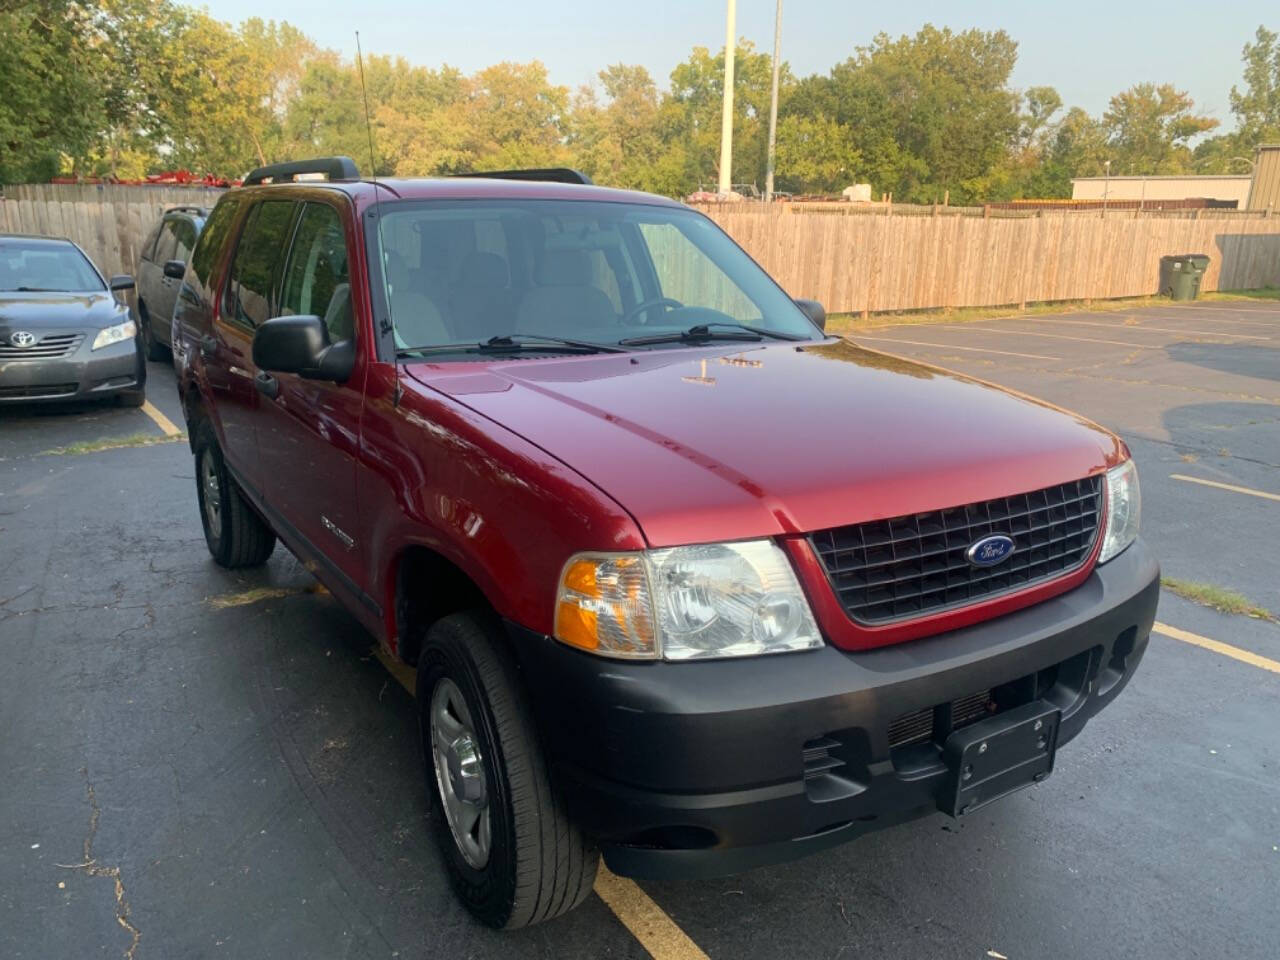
1124 506
115 334
685 603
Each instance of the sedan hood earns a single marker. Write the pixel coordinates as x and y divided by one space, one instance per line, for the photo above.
42 312
702 445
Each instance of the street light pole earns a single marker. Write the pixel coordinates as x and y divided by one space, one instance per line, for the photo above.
773 104
726 119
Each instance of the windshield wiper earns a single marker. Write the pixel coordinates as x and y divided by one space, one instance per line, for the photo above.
704 331
513 343
34 290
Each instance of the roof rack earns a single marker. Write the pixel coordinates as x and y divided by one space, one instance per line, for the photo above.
188 208
335 168
548 174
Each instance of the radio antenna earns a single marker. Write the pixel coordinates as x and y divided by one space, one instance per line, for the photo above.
387 326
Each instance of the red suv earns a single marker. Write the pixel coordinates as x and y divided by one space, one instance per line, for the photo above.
686 582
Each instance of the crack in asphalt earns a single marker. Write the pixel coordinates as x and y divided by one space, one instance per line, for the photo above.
90 867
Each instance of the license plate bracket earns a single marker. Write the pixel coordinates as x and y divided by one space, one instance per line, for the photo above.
998 756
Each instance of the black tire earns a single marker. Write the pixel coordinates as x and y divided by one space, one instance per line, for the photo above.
239 537
153 349
539 863
132 398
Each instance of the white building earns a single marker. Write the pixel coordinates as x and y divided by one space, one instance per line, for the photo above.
1176 187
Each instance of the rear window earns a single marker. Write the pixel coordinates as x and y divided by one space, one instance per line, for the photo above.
43 265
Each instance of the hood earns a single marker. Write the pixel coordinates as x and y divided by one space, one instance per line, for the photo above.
702 445
59 311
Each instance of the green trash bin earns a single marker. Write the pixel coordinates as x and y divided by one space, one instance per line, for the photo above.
1180 275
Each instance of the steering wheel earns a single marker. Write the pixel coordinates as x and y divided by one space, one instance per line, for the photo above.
639 308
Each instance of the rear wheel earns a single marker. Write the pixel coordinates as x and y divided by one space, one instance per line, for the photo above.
514 857
236 536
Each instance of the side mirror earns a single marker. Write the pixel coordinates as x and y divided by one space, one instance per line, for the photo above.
814 311
301 345
121 281
175 268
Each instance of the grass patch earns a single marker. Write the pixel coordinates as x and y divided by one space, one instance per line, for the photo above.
1262 293
111 443
850 322
1217 598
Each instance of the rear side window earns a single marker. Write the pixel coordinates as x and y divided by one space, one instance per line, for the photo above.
212 239
149 244
316 279
257 262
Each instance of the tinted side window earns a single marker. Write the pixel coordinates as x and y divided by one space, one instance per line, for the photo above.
185 231
149 244
212 239
262 245
167 243
316 280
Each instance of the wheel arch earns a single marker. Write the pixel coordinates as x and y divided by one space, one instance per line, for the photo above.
428 586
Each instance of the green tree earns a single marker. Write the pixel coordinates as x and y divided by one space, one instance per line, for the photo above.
1149 127
1256 109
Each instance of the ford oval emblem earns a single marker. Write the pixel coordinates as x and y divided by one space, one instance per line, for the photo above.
989 551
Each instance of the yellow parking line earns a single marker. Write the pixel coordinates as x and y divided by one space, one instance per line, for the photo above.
1235 653
161 421
952 346
645 920
1225 486
656 931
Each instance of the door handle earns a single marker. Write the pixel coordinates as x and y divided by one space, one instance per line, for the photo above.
208 344
267 385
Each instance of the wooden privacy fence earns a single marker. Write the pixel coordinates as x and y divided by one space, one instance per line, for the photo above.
852 263
872 263
109 222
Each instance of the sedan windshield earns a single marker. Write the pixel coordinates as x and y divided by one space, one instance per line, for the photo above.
45 265
503 272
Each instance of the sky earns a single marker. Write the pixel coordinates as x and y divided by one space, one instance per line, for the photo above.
1088 50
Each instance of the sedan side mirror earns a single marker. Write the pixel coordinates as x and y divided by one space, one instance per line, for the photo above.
301 345
175 268
121 281
814 311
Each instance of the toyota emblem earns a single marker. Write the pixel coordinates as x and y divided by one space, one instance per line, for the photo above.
20 338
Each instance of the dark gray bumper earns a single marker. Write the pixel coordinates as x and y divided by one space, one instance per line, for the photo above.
83 375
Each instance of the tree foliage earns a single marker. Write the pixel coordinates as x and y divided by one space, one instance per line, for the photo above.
127 87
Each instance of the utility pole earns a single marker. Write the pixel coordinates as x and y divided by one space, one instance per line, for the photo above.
773 105
726 120
1106 186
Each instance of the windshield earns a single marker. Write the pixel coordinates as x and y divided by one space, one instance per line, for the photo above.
464 272
45 265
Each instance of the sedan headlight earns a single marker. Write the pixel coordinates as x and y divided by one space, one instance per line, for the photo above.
685 603
1124 507
115 333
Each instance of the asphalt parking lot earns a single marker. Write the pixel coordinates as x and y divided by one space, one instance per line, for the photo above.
200 763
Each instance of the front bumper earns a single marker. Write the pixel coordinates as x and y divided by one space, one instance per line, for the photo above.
708 768
83 375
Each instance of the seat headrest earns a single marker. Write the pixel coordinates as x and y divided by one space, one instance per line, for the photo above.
483 270
565 268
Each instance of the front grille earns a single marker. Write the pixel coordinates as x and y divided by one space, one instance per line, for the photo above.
905 567
42 392
53 347
935 723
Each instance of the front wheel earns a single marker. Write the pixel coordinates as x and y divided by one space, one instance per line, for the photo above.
514 857
236 536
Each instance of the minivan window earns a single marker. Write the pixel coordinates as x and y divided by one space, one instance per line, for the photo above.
257 260
149 244
211 240
316 279
185 233
167 244
461 272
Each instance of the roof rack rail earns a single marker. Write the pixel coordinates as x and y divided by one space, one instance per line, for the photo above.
188 208
548 174
335 168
